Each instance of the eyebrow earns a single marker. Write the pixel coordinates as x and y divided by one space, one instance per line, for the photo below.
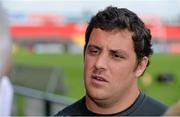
94 46
122 52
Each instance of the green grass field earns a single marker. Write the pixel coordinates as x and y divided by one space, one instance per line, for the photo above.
72 65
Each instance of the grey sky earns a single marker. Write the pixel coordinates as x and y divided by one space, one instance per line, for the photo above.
164 8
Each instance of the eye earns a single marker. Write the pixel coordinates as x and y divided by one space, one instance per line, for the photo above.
117 56
93 51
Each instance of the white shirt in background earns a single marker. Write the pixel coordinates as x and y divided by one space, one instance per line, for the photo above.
6 96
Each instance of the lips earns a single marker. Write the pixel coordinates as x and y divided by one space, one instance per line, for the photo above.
99 78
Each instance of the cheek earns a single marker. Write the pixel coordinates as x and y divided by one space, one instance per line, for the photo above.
88 64
122 71
123 77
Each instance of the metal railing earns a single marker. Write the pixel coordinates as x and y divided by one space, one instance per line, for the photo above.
42 83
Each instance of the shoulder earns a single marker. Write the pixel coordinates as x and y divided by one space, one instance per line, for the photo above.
151 107
74 109
154 103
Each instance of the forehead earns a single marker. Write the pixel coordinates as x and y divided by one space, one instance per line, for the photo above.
117 39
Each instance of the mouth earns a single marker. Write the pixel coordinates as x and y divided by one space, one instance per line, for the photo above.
99 78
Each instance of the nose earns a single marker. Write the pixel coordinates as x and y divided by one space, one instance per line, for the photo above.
101 62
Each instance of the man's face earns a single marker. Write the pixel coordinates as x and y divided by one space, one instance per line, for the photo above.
110 66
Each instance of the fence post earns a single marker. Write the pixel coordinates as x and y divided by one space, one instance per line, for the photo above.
47 108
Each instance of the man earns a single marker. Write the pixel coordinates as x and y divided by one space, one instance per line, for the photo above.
117 50
6 90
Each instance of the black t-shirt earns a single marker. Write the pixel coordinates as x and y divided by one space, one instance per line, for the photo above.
143 106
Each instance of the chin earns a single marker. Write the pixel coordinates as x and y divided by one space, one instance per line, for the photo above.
96 95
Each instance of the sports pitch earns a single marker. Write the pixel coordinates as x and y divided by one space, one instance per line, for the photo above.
72 65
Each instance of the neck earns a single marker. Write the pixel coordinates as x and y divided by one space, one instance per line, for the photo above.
112 106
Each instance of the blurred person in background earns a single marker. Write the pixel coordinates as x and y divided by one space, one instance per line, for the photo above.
6 90
116 53
174 110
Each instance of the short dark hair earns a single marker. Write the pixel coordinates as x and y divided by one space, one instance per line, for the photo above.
121 18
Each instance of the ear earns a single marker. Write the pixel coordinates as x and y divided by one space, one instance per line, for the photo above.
141 66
